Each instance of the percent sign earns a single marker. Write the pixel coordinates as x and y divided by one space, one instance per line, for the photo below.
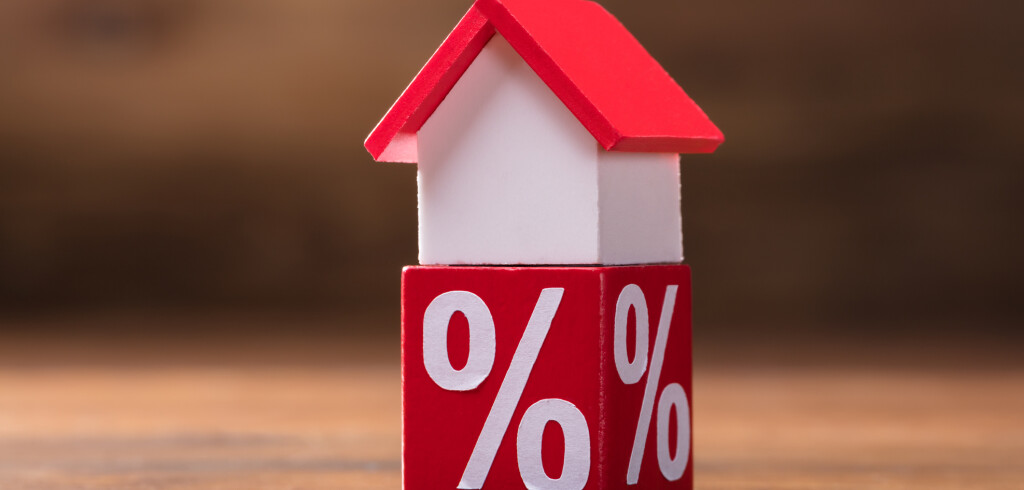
631 371
482 343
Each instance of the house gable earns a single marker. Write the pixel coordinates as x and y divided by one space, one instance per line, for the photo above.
507 175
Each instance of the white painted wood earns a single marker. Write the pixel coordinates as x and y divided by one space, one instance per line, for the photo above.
507 175
640 217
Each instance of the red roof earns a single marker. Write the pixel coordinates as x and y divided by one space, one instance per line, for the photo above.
589 60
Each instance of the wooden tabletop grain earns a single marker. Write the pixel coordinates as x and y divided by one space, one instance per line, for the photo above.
240 412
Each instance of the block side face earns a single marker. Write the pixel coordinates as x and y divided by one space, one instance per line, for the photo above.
622 402
441 427
507 175
640 202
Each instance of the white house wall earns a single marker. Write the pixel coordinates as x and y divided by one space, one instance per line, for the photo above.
640 218
507 175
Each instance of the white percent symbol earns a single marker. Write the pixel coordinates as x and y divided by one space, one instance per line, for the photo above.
576 460
632 297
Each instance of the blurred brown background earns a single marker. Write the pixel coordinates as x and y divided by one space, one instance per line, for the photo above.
186 155
199 263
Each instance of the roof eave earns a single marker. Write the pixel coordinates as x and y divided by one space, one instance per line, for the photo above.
656 144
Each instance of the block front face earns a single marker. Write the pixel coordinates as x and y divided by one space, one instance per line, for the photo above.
511 377
441 426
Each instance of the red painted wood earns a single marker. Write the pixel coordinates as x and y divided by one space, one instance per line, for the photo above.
593 64
394 138
575 363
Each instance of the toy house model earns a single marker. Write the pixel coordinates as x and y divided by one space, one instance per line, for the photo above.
544 133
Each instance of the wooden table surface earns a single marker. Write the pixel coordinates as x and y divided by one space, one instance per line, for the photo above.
250 412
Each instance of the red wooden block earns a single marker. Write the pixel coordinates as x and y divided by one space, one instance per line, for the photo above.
546 377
